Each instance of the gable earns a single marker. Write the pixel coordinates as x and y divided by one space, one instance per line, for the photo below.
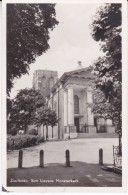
85 73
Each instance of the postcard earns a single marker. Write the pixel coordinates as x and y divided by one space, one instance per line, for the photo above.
64 96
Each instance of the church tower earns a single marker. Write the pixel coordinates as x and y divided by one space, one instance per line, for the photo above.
43 80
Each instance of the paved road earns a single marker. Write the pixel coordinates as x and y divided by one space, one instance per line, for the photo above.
82 150
79 174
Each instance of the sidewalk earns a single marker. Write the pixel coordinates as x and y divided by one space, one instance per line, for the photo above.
53 174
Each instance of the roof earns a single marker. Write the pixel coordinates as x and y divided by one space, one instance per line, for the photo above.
74 73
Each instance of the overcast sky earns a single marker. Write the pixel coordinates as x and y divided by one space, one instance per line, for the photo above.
69 42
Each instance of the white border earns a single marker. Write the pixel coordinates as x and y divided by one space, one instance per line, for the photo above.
0 83
124 100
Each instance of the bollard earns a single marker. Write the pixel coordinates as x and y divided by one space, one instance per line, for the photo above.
41 158
100 156
20 160
67 158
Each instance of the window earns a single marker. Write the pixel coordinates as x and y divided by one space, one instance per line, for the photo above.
51 82
39 83
76 104
39 79
43 82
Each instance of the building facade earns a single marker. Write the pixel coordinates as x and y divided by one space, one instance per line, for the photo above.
43 80
70 98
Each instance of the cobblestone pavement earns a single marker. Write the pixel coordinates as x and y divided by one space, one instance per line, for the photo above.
84 170
82 150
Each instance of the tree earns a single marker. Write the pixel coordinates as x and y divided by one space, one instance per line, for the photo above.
108 110
28 28
24 107
106 28
42 118
45 116
53 120
9 106
100 105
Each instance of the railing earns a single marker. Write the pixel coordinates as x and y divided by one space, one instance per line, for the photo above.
83 128
117 156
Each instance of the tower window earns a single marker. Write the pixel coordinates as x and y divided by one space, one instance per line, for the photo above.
39 79
43 81
51 82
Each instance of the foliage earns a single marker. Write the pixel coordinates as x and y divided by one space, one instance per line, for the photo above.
46 117
24 107
100 105
28 28
106 28
42 116
33 132
22 141
11 129
9 106
52 118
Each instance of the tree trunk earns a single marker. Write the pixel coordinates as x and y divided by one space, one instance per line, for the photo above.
26 129
52 132
120 152
46 132
43 131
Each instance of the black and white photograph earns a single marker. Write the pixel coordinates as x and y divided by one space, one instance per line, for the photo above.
63 86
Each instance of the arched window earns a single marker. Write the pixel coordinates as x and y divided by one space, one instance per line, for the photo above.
51 82
76 104
43 81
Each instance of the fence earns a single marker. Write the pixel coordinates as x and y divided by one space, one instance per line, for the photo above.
117 156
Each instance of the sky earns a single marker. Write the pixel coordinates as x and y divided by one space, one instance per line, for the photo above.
70 42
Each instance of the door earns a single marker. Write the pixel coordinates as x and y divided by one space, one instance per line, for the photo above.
76 122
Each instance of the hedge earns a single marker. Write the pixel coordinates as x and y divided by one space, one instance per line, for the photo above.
22 141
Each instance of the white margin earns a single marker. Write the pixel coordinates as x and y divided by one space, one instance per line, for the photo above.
124 100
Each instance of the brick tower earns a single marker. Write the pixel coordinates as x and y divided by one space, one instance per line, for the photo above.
44 80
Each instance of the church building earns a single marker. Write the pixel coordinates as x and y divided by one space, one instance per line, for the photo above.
70 97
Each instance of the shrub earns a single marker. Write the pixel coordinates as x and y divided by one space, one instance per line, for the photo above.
33 132
22 141
40 139
12 130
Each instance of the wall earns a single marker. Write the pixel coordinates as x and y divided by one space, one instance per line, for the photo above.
44 80
61 112
56 102
55 132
